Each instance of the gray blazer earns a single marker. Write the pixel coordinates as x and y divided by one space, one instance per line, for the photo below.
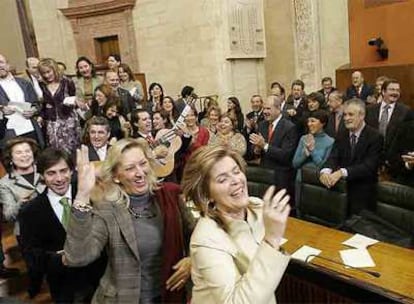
15 190
109 226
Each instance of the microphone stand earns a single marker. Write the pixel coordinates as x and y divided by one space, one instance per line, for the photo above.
370 272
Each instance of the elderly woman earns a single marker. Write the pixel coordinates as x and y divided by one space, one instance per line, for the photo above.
228 136
313 148
20 185
141 224
235 254
60 120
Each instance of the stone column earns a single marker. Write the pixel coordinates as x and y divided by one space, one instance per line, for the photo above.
307 43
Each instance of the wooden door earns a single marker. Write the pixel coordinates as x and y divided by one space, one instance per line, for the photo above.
105 46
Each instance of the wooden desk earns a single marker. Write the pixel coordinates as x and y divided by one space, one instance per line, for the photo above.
324 281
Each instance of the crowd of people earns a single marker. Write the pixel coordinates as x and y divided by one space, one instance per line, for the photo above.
94 171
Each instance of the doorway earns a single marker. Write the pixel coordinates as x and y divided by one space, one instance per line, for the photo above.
105 46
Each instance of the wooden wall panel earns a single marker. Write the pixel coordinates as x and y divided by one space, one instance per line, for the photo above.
393 22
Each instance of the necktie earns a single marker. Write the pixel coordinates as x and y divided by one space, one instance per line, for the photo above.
66 211
383 123
353 144
270 133
150 140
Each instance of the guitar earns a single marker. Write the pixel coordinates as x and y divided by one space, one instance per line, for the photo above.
165 166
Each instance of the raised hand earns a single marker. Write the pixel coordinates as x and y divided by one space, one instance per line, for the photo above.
275 214
86 174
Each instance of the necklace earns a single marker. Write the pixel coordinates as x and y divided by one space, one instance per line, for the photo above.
146 213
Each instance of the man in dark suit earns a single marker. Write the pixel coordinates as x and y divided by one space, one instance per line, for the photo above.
335 123
97 133
187 97
327 88
355 157
18 90
296 104
359 89
401 152
278 90
43 222
387 115
276 143
32 75
127 102
252 121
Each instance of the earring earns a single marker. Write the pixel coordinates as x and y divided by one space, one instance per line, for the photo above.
211 205
116 181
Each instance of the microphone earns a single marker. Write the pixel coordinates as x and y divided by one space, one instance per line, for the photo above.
370 272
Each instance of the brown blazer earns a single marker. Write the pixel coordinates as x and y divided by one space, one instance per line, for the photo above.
110 226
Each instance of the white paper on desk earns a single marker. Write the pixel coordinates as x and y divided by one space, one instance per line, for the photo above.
357 258
360 241
304 252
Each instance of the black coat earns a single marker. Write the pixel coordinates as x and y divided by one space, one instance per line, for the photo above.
362 167
402 143
282 147
42 236
330 126
398 116
367 90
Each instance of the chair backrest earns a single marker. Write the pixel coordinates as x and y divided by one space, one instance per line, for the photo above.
318 204
258 180
395 204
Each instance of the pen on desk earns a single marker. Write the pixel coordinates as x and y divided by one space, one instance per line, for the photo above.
370 272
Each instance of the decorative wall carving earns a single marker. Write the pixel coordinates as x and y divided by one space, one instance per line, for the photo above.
246 29
91 19
307 42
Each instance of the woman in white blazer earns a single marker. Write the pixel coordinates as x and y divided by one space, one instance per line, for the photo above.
235 246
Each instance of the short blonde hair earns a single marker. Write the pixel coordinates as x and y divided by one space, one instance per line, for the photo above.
197 174
105 188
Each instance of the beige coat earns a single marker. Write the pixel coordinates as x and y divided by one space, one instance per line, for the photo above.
235 267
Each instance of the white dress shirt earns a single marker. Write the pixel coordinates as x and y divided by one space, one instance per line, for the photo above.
102 152
36 86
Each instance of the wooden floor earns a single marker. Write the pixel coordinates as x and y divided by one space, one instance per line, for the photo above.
15 289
